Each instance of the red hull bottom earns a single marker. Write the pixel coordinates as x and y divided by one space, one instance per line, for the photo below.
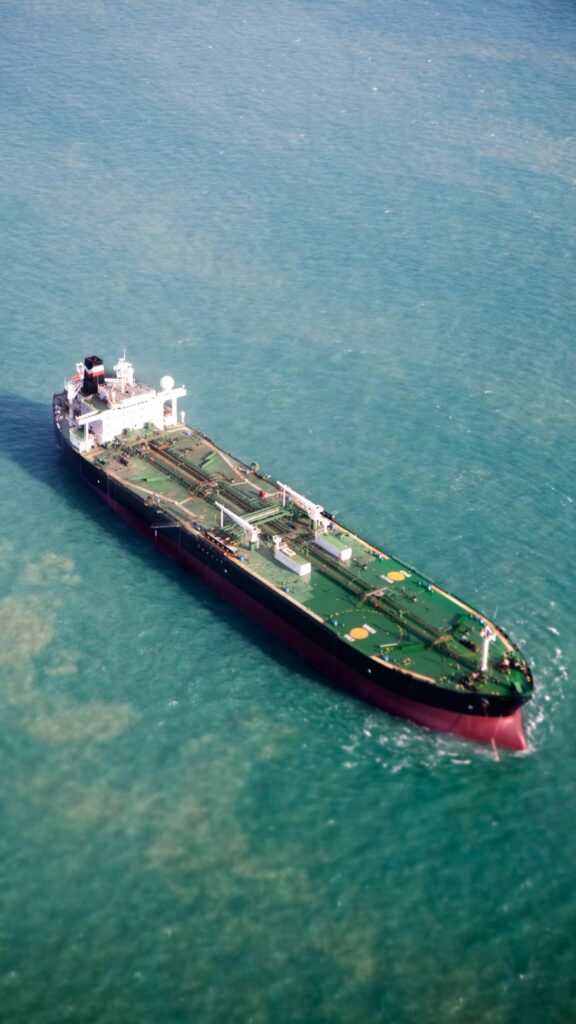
501 731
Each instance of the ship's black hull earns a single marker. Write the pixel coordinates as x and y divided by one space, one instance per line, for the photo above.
469 715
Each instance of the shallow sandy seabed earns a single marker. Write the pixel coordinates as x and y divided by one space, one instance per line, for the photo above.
27 628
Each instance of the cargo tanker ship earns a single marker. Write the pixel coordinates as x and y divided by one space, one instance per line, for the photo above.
371 623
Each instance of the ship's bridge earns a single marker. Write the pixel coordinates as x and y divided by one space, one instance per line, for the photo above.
120 404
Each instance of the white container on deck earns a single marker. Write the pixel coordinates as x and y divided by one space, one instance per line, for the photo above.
286 556
334 546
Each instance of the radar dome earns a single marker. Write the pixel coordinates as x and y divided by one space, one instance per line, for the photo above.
167 383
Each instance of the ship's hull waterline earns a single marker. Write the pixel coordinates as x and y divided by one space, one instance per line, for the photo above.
368 621
496 729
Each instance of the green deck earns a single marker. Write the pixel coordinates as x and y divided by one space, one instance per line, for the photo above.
375 602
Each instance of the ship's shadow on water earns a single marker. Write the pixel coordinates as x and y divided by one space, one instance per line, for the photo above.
27 438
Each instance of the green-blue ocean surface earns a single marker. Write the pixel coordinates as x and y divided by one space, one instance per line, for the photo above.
348 227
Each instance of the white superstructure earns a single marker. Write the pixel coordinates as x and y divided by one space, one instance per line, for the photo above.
100 408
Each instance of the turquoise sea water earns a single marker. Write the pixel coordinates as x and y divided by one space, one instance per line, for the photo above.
349 228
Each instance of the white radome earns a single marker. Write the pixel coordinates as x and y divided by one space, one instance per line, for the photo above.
167 383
